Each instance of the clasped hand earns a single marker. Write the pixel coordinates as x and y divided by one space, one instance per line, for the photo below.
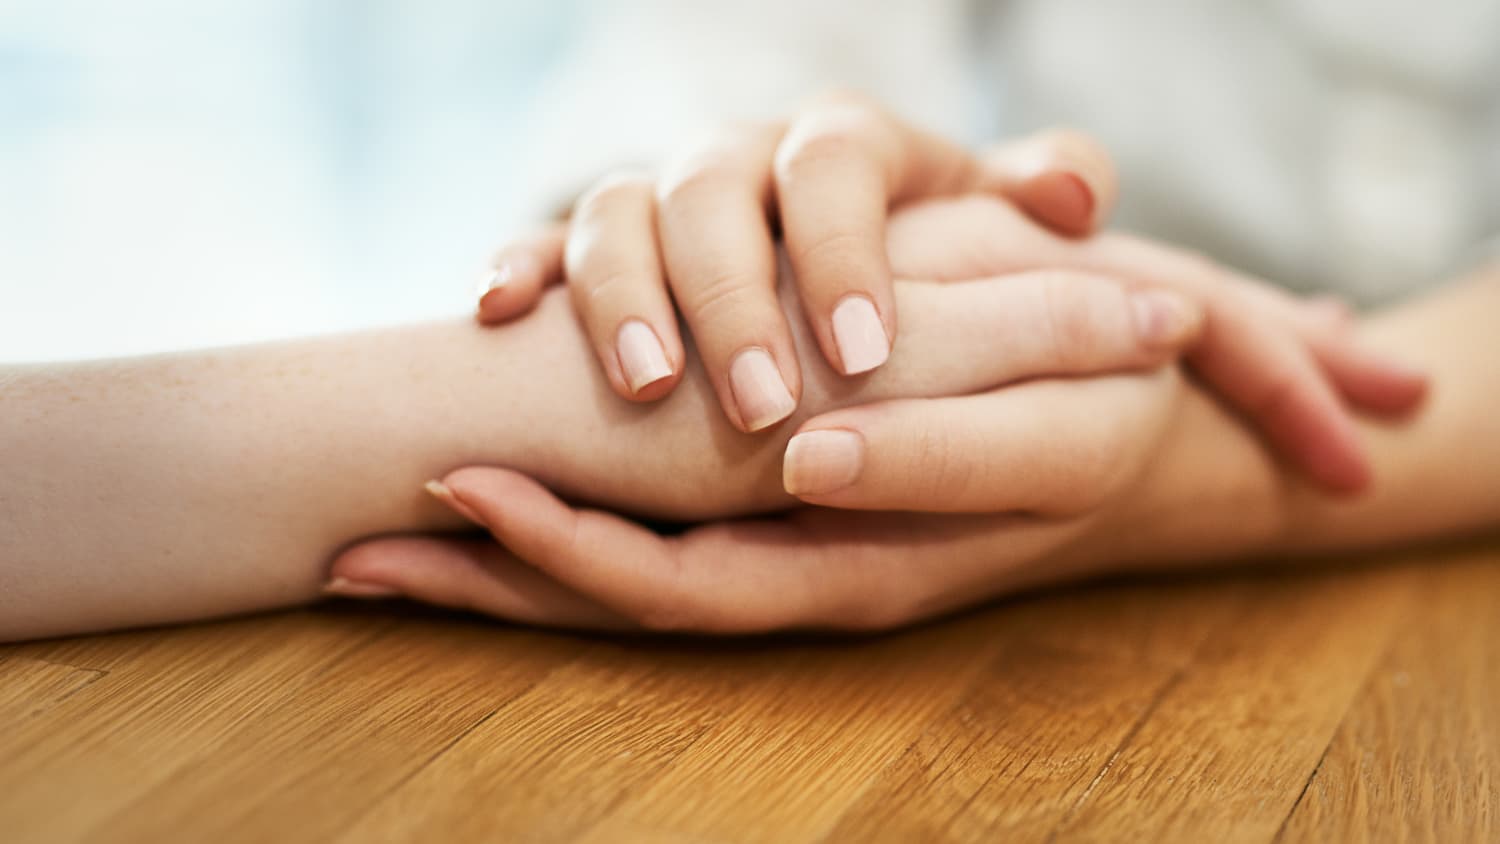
1029 414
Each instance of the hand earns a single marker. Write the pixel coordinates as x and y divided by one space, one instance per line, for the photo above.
1283 363
703 235
679 459
810 568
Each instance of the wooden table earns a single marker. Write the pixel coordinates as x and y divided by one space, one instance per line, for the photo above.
1335 704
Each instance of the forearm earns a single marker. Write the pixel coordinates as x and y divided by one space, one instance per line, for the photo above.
1219 494
170 488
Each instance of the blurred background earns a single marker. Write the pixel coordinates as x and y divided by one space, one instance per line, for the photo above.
180 173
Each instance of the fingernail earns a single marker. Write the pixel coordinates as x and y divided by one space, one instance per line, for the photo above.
761 395
1065 199
860 336
1164 319
820 462
504 273
493 280
343 587
442 492
641 355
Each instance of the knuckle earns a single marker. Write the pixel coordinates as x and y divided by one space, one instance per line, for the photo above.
701 177
940 466
603 299
813 148
600 291
725 297
1076 319
623 188
841 248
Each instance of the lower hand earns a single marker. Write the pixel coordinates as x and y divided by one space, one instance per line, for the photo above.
1066 460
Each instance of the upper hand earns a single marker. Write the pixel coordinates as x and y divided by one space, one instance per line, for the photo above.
702 236
830 176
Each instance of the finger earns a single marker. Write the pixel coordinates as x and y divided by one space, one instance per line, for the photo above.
621 564
1264 364
615 277
519 272
1266 372
472 575
1366 378
972 237
812 569
721 263
976 335
840 167
1062 178
1053 447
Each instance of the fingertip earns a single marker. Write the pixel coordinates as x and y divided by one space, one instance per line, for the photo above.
859 335
1061 200
818 463
1336 460
759 395
1165 321
647 372
501 304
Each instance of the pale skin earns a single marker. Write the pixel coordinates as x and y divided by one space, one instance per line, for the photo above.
176 488
700 235
1186 487
186 486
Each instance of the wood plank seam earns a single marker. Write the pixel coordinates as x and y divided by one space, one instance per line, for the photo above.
1322 757
1135 729
1166 689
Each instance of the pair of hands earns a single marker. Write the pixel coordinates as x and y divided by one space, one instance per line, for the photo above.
1060 459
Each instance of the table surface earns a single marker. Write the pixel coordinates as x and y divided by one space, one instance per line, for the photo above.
1350 702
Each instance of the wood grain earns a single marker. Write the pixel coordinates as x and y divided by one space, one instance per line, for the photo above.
1354 702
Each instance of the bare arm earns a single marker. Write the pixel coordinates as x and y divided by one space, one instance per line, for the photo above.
1218 494
178 487
1209 491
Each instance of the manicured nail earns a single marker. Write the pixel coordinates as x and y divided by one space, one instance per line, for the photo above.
442 492
1070 201
505 272
641 355
1164 319
494 280
860 336
820 462
343 587
759 391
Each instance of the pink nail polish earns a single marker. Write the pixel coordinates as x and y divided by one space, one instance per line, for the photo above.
821 462
859 335
642 359
759 391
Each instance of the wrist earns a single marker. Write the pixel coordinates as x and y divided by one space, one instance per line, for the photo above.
1212 493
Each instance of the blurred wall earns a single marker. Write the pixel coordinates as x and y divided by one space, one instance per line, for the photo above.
187 172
